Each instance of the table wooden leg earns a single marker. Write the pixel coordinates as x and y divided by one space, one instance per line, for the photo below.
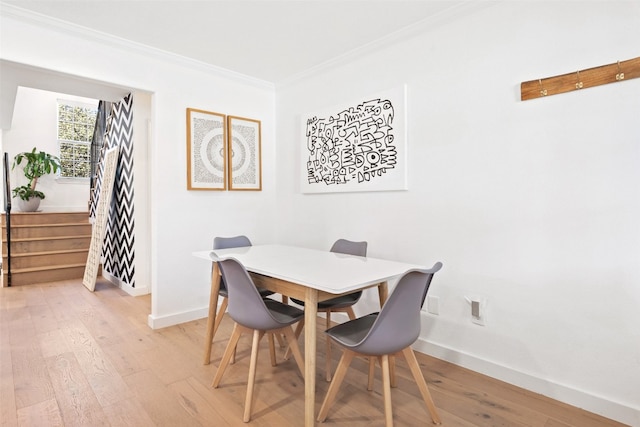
310 317
213 307
383 292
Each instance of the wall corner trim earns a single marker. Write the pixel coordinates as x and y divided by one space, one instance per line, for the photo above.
159 322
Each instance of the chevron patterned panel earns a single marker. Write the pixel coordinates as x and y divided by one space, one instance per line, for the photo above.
118 247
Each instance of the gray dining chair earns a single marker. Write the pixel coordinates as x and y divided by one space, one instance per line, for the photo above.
343 303
385 334
227 243
254 314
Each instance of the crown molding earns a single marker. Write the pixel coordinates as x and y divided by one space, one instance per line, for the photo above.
444 17
57 25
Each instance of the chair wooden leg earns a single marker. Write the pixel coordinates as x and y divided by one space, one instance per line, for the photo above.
372 371
295 348
350 313
392 371
341 371
272 350
255 345
299 328
327 373
233 356
228 352
216 324
220 315
422 384
282 343
329 359
386 388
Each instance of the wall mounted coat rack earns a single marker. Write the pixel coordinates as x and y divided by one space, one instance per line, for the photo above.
581 79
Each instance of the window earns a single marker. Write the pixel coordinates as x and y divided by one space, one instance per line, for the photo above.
75 131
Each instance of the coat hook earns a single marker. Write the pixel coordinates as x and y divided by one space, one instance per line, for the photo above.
619 76
579 84
543 91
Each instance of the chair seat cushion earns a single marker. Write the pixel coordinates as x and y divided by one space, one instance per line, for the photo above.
334 303
351 333
284 313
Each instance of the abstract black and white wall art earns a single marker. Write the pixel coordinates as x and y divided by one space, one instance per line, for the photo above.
358 146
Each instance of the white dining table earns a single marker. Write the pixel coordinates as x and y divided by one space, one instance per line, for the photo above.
306 274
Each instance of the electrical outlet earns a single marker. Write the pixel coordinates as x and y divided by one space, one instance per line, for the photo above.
478 310
475 309
433 304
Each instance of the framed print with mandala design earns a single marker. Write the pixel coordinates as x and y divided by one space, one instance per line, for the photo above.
206 150
244 159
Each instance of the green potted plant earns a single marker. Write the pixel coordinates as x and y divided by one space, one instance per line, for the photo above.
37 164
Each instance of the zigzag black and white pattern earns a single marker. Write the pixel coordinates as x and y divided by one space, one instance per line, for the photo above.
118 248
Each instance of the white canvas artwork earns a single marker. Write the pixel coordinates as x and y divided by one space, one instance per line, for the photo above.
357 146
102 214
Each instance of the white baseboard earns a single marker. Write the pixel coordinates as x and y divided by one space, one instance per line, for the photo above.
566 394
158 322
134 292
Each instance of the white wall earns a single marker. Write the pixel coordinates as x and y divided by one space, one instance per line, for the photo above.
35 125
181 221
532 205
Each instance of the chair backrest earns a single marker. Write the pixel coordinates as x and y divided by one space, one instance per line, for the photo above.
227 243
231 242
348 247
246 306
398 324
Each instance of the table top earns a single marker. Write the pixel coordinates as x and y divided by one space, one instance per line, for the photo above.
322 270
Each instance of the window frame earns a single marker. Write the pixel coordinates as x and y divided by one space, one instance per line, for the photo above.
60 141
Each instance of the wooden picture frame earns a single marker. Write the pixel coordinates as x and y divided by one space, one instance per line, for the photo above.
244 162
206 150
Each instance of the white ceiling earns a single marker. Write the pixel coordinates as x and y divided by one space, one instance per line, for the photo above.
264 39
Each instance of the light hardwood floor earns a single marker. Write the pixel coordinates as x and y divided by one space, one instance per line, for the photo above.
70 357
